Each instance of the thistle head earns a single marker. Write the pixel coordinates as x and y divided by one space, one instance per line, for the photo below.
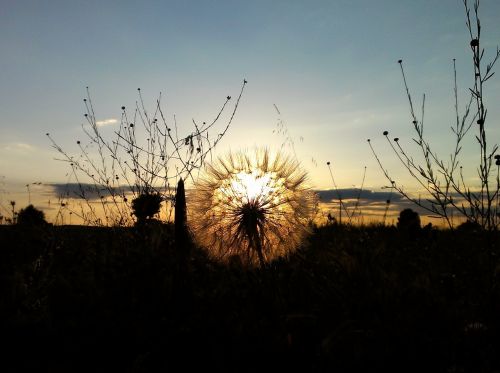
252 205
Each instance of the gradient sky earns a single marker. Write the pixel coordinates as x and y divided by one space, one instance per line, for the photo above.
329 66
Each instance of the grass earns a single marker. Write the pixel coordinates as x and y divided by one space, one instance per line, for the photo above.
352 298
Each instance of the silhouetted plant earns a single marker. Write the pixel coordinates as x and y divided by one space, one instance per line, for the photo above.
146 206
252 205
14 212
469 227
350 213
31 216
409 220
180 221
443 180
146 154
387 203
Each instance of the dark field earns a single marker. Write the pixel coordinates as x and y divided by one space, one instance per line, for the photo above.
352 299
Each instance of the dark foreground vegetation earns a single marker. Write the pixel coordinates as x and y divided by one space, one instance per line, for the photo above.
81 299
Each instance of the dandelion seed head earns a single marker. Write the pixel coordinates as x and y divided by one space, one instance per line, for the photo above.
252 205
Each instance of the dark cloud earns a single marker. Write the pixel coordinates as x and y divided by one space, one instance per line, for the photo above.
353 193
90 191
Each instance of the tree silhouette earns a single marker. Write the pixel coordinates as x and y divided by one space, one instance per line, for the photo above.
31 216
409 220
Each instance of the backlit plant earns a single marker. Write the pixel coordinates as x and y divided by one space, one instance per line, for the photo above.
254 206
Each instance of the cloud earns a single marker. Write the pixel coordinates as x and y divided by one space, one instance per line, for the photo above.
92 191
106 122
353 193
19 147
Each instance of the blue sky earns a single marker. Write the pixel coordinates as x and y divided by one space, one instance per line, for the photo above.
329 66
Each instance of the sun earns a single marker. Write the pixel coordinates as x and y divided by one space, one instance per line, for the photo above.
254 206
251 186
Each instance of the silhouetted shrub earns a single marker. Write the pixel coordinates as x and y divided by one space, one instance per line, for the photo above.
469 227
409 220
30 216
146 206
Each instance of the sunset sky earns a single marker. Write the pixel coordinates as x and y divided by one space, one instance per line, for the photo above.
330 67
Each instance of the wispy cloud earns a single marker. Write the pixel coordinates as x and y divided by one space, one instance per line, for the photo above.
106 122
19 147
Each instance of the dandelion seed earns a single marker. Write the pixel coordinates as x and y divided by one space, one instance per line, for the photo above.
385 133
396 139
474 43
480 122
255 207
497 162
78 142
123 107
400 61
